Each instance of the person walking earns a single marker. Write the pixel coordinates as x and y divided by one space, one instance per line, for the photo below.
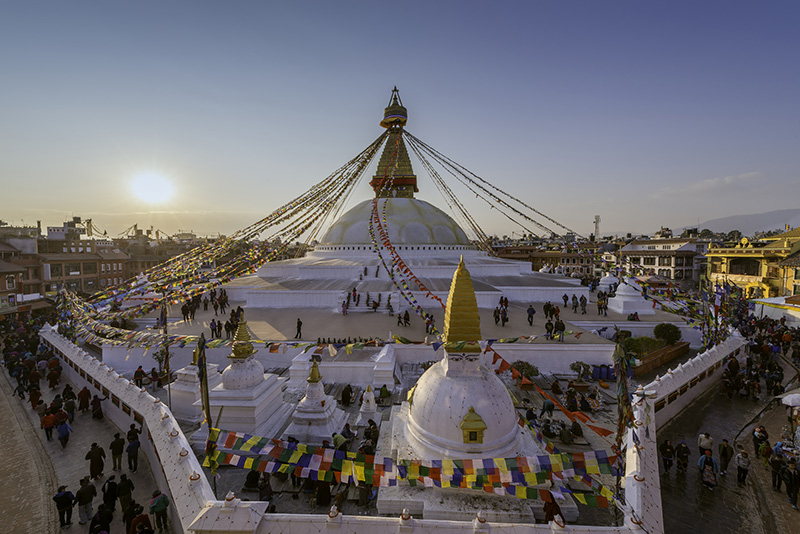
84 497
125 489
110 493
708 467
133 454
101 522
48 423
742 466
531 313
705 443
96 457
725 456
63 430
791 476
117 447
299 333
138 376
84 397
776 464
158 507
667 455
64 500
682 456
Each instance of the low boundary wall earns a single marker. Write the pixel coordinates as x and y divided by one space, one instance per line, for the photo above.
681 386
182 478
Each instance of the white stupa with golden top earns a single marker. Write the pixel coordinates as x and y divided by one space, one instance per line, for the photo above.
248 399
316 417
458 409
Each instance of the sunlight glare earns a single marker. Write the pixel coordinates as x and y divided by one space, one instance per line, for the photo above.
152 187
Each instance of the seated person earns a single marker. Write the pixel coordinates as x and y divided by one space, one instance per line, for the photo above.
348 433
584 404
565 435
576 429
556 388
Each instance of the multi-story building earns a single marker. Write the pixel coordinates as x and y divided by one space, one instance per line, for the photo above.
10 278
762 267
575 259
678 259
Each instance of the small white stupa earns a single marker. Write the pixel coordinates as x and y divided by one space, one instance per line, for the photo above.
316 417
629 299
186 391
248 400
369 409
606 282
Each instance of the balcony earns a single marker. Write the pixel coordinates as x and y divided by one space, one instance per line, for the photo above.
738 279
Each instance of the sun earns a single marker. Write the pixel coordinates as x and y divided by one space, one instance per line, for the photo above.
152 187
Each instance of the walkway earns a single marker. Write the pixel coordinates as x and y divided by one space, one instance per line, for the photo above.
26 451
688 505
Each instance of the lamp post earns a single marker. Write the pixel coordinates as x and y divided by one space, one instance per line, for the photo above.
166 348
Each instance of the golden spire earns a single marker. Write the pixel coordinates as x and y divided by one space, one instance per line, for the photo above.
242 348
461 319
314 375
394 162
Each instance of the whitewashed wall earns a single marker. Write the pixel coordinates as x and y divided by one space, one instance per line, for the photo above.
681 386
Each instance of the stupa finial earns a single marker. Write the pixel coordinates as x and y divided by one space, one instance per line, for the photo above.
461 319
242 348
314 375
395 115
395 176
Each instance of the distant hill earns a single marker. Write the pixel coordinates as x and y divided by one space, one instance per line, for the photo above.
756 222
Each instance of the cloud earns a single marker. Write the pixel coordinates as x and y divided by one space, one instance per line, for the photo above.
727 183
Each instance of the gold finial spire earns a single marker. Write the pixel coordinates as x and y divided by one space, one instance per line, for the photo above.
314 375
395 176
461 319
242 348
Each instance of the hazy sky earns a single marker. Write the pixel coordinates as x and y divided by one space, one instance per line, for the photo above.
645 113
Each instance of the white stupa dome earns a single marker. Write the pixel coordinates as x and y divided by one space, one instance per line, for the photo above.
409 221
441 402
243 373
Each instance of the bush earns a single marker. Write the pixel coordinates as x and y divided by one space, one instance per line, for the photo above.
642 346
582 369
622 335
668 332
528 370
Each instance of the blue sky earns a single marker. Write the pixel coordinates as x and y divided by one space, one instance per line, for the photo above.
646 113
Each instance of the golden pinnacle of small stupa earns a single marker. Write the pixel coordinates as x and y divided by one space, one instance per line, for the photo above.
242 347
314 375
461 319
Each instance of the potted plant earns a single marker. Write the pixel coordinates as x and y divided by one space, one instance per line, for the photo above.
583 370
527 372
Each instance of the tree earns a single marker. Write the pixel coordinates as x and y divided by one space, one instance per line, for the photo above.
705 233
734 236
668 332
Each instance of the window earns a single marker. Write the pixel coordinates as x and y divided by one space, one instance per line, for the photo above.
678 261
473 436
650 260
635 260
56 270
665 261
11 281
73 268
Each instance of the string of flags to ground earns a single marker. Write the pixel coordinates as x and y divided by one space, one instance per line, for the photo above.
504 476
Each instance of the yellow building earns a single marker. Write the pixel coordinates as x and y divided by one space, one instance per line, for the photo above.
759 267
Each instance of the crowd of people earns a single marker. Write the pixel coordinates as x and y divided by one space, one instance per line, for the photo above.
27 363
759 378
